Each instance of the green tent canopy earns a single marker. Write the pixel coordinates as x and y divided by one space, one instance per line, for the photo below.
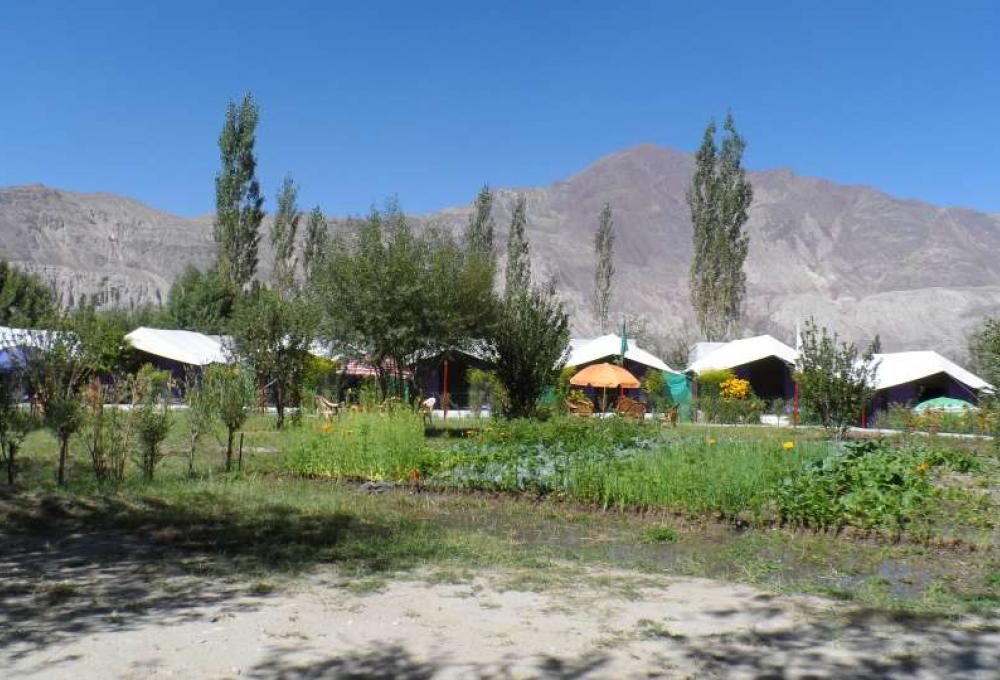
943 404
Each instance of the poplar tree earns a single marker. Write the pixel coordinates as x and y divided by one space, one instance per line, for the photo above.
283 231
719 198
479 234
518 274
604 270
238 201
315 242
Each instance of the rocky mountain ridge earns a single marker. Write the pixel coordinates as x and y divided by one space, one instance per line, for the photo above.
857 259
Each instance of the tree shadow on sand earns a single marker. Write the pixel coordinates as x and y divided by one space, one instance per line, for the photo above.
396 663
72 566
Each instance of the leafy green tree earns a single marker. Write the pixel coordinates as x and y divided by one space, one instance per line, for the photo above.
25 299
17 420
390 295
284 229
719 198
233 392
317 234
479 233
528 340
272 336
200 301
59 369
835 378
153 418
238 201
528 345
518 274
604 270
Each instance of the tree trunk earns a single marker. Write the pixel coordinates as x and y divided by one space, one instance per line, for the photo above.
11 451
63 455
229 451
279 405
194 443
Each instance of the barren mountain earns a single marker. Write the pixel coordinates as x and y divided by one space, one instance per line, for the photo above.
857 259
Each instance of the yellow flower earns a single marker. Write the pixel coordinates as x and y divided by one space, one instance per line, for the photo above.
788 446
327 428
922 468
710 441
734 388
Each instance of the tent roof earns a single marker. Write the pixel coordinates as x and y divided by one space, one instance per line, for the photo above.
23 337
586 352
186 347
898 368
742 352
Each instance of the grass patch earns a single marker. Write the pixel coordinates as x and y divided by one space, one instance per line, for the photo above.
659 533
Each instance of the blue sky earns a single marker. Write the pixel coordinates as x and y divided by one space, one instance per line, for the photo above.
429 100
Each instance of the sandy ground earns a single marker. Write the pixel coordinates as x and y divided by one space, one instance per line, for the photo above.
580 623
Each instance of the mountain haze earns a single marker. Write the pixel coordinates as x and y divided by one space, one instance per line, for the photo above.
857 259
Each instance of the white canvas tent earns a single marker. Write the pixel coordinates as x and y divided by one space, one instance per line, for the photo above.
583 352
899 368
742 352
186 347
23 337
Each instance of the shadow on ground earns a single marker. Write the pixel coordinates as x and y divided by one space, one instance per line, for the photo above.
867 646
75 565
395 662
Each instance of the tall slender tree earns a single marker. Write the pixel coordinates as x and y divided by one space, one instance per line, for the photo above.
284 229
719 198
238 202
479 234
604 269
315 242
518 255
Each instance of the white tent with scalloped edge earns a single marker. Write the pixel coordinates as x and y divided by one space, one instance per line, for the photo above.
185 347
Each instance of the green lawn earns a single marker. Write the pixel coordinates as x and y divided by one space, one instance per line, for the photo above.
661 501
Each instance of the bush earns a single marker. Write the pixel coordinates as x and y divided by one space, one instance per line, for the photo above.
710 383
835 378
871 485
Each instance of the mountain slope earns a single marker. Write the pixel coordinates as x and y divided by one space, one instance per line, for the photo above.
856 258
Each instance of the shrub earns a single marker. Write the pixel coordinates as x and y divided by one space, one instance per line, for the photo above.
734 388
153 419
871 485
836 379
710 383
655 387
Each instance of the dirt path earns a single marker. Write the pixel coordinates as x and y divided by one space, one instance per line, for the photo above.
571 623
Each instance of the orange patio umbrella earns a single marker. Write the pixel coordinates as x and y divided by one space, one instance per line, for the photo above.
604 375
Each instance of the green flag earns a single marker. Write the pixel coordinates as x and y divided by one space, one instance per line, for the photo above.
624 344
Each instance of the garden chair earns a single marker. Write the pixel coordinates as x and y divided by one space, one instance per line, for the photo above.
630 408
427 408
670 416
326 408
580 408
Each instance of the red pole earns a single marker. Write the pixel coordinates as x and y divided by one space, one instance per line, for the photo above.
795 407
444 395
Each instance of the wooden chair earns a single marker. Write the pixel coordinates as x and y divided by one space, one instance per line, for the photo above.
581 408
670 416
630 408
427 408
326 408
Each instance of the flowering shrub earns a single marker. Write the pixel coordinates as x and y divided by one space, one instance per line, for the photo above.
735 388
